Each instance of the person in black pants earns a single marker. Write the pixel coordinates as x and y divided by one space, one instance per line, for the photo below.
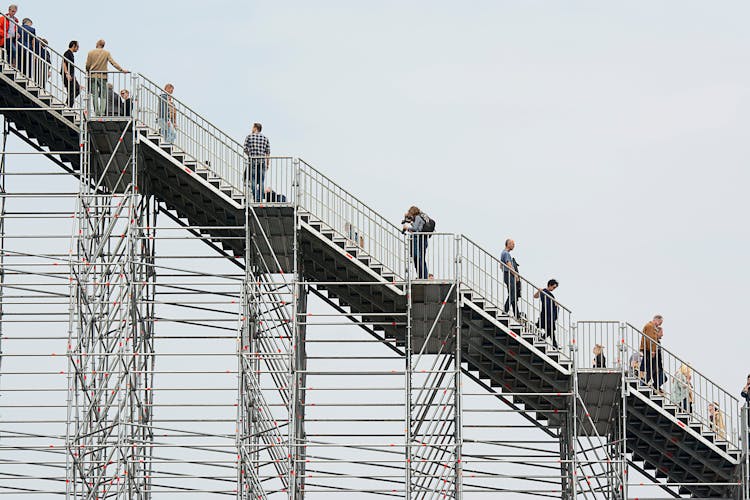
68 72
510 277
549 309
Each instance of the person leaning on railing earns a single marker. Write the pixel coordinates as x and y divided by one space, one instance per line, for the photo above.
652 333
97 63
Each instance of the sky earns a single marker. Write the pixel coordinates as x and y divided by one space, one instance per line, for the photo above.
609 139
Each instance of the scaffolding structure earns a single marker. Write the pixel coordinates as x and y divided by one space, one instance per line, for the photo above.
292 349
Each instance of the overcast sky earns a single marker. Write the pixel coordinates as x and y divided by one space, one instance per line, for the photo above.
608 138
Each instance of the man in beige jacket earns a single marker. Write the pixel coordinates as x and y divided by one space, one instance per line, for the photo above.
96 66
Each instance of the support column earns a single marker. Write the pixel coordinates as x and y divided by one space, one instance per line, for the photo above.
569 433
457 383
300 364
110 348
623 415
745 467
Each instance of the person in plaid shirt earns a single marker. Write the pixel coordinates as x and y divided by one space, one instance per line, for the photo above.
258 150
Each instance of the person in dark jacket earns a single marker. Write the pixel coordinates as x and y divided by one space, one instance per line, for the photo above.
126 105
746 391
28 47
549 310
68 73
511 278
414 222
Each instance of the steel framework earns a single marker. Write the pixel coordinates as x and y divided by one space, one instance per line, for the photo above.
292 351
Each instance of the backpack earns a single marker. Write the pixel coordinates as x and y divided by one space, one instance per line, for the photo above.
429 224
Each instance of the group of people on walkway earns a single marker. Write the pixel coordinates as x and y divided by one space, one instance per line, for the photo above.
648 366
24 49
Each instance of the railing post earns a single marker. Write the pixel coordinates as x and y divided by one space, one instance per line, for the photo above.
458 403
745 468
622 434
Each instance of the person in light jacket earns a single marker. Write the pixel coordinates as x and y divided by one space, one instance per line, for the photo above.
716 417
682 388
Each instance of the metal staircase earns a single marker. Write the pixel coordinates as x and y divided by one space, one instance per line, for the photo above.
198 179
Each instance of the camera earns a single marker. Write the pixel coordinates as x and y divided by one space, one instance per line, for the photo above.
407 220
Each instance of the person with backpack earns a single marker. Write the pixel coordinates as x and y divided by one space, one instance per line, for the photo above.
417 222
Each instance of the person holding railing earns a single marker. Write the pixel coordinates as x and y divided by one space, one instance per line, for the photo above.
510 276
167 115
652 334
682 388
68 73
9 33
258 151
549 310
97 64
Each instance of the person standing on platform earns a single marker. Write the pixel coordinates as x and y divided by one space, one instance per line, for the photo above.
549 309
167 115
649 347
9 33
510 277
258 151
127 105
415 222
97 64
68 72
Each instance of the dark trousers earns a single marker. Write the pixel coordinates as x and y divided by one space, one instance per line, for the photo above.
650 367
11 50
548 323
549 330
514 289
686 406
74 90
419 254
255 177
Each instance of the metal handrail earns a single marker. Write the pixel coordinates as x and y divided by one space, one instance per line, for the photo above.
340 210
705 391
621 340
29 63
382 239
483 273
